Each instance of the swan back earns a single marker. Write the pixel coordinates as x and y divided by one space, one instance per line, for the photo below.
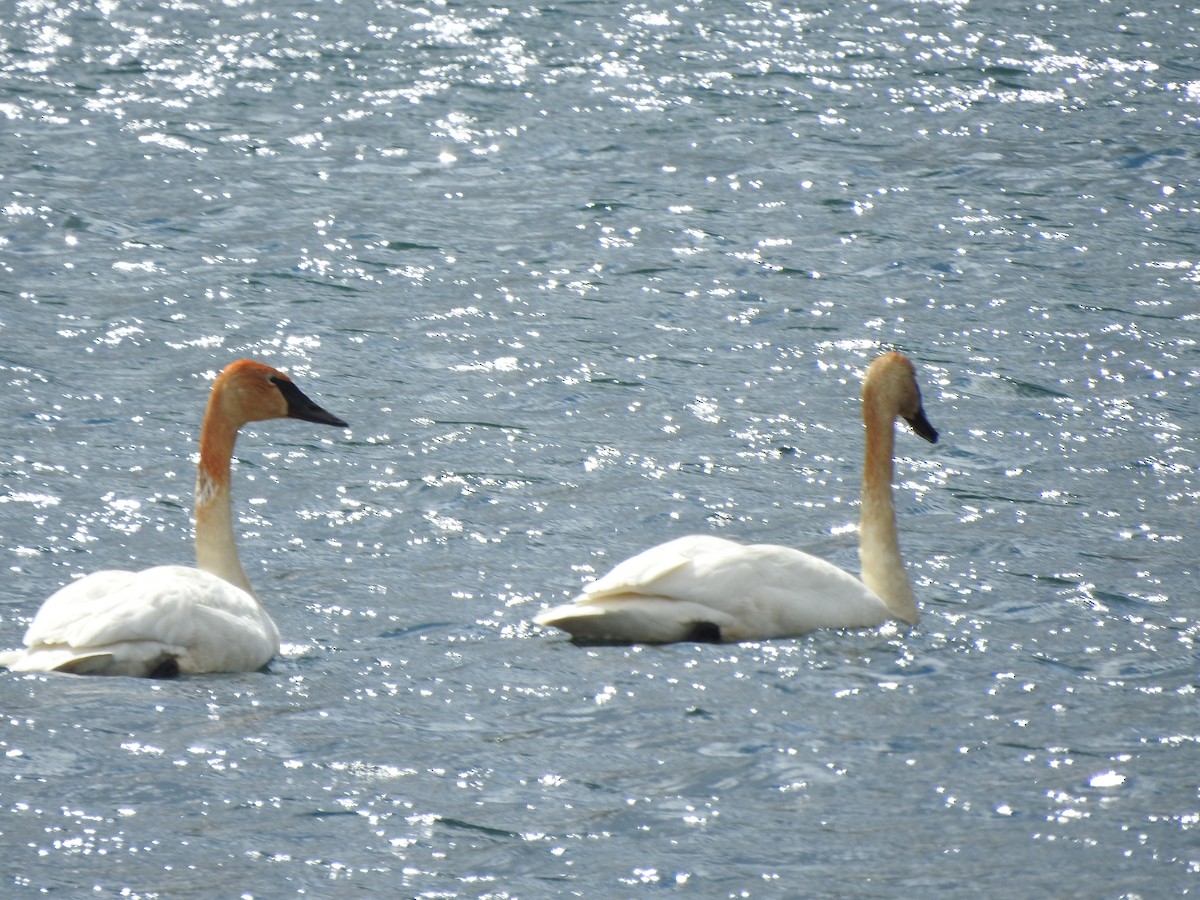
705 588
164 620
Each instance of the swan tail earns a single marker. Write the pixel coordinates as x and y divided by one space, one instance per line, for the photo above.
53 659
161 663
88 664
637 620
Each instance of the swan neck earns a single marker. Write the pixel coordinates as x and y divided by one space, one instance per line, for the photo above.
883 569
216 543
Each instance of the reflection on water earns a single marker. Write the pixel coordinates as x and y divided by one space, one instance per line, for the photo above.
586 279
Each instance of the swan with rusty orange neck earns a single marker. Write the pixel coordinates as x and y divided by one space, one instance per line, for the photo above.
177 619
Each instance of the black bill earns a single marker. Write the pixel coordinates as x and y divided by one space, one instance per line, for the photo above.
300 407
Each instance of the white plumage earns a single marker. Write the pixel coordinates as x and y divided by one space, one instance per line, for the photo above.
700 587
158 621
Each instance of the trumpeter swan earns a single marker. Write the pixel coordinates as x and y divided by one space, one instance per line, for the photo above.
711 589
171 619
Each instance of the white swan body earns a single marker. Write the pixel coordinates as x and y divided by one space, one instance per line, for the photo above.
158 621
707 588
171 619
700 587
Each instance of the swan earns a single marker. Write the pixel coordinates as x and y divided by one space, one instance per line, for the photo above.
704 588
168 620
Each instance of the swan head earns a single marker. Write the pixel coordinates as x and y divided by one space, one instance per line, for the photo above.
891 387
250 391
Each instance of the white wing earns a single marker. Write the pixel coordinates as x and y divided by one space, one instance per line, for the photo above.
708 588
131 623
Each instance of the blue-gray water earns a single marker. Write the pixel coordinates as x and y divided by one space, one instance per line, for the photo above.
585 277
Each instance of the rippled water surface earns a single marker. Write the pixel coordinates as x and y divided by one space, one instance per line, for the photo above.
585 277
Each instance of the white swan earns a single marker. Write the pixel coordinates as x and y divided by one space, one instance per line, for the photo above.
171 619
710 589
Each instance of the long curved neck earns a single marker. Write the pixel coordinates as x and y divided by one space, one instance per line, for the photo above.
216 546
883 568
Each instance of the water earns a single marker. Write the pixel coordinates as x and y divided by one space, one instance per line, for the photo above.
583 278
